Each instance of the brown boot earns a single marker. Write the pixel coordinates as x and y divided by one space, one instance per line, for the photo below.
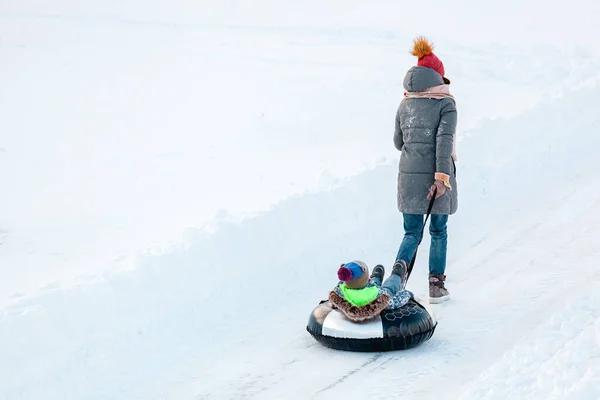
437 292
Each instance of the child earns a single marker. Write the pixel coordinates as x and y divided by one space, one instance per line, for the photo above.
360 297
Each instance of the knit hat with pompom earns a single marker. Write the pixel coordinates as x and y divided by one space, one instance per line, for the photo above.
354 274
423 50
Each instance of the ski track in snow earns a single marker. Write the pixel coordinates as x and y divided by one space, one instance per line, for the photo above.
370 361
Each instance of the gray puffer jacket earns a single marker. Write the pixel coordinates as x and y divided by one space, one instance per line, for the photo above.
424 133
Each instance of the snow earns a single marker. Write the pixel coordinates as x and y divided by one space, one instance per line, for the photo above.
180 182
558 360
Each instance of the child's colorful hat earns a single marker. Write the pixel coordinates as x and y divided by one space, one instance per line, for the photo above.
354 274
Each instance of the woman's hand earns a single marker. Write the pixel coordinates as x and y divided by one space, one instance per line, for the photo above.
439 188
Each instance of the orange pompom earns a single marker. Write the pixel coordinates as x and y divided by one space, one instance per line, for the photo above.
422 47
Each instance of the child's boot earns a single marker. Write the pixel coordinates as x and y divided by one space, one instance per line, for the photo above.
401 269
378 272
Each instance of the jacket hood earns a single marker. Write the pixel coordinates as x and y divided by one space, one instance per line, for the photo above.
418 79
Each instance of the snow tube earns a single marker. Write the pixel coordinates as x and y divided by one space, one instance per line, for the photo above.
399 329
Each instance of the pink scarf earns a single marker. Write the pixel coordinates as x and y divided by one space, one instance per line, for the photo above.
435 92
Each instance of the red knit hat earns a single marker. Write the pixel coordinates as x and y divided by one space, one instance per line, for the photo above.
423 49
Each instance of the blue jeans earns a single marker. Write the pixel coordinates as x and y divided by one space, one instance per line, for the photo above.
392 284
413 223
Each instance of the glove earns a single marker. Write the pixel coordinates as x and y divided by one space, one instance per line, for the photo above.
438 187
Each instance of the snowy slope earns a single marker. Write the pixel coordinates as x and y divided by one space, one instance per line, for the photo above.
188 324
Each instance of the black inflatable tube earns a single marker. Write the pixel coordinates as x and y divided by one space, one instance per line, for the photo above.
375 344
401 329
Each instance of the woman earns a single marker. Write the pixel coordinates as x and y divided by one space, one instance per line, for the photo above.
425 135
